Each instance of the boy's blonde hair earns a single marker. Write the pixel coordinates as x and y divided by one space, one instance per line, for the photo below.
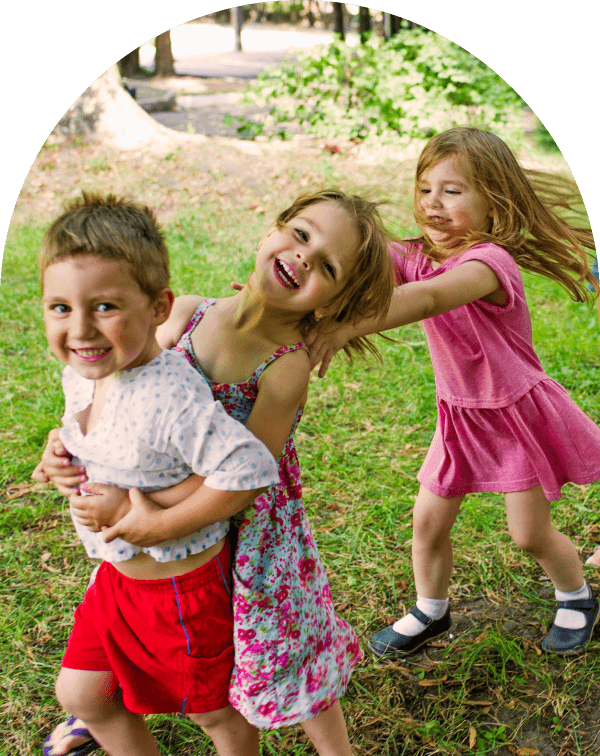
370 283
113 228
533 211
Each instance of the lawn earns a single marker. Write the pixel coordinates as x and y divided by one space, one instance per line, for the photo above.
488 688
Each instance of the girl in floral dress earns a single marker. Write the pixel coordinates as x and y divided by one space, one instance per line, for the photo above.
294 655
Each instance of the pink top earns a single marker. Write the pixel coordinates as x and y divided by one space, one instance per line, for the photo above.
482 353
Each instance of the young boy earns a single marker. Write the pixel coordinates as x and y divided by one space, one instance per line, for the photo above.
154 633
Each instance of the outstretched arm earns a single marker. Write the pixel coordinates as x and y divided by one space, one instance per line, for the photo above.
412 302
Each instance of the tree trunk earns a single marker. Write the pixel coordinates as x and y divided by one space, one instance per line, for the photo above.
338 19
164 55
391 25
237 20
130 64
364 18
105 112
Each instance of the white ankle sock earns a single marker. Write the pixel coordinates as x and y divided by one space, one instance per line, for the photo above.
410 626
571 618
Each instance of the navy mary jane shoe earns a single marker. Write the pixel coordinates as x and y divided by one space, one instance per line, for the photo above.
388 644
566 642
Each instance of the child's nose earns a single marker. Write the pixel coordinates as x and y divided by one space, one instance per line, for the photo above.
305 257
434 199
81 325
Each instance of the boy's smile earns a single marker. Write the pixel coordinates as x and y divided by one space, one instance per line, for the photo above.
97 318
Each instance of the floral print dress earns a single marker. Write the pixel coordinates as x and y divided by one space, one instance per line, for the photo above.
294 655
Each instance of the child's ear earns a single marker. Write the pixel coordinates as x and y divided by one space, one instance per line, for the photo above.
162 306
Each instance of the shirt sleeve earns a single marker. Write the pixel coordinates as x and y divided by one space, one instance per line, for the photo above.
221 449
399 255
503 265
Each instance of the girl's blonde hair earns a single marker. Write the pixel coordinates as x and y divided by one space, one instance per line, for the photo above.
370 283
113 228
535 214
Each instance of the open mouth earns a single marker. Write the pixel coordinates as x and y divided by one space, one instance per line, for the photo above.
91 355
286 275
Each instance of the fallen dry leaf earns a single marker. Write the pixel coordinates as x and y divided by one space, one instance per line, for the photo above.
472 737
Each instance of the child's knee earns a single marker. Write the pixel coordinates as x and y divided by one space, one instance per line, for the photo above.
85 694
530 541
218 718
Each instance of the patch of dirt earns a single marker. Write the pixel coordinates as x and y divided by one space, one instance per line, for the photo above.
240 175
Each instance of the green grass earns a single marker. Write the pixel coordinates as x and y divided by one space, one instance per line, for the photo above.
361 442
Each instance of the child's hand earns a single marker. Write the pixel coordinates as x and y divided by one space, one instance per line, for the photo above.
140 526
106 506
323 346
56 466
236 286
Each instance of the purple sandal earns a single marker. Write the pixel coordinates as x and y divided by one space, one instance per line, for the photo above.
72 729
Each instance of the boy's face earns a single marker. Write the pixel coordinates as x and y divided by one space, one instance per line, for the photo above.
97 318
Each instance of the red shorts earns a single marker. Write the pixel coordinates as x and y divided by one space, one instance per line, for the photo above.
169 642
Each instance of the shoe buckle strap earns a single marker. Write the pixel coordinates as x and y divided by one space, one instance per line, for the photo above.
423 618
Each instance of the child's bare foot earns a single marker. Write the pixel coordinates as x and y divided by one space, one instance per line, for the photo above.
595 558
70 737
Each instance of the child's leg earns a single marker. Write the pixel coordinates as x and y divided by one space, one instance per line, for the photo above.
328 733
94 698
433 518
231 734
528 514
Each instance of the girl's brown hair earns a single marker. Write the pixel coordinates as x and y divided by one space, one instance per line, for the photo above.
113 228
534 213
370 283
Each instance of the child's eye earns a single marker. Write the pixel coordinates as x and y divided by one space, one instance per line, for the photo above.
425 191
104 307
452 191
302 234
59 309
329 268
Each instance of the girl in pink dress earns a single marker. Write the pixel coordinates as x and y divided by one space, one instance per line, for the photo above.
325 259
503 424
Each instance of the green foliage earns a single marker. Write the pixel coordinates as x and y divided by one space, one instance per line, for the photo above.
412 86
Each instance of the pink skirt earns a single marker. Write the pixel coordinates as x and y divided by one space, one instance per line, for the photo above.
541 439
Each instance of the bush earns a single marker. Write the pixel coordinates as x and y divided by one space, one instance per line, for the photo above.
410 87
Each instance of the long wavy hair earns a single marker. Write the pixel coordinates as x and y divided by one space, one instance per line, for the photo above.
536 215
370 283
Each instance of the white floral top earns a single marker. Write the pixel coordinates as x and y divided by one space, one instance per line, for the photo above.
160 424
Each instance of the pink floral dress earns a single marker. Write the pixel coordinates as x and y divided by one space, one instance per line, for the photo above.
294 655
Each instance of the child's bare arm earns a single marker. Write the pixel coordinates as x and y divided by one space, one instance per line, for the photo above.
412 302
108 504
282 389
169 333
147 524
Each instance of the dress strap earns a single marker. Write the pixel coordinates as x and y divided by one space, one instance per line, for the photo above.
279 353
198 313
